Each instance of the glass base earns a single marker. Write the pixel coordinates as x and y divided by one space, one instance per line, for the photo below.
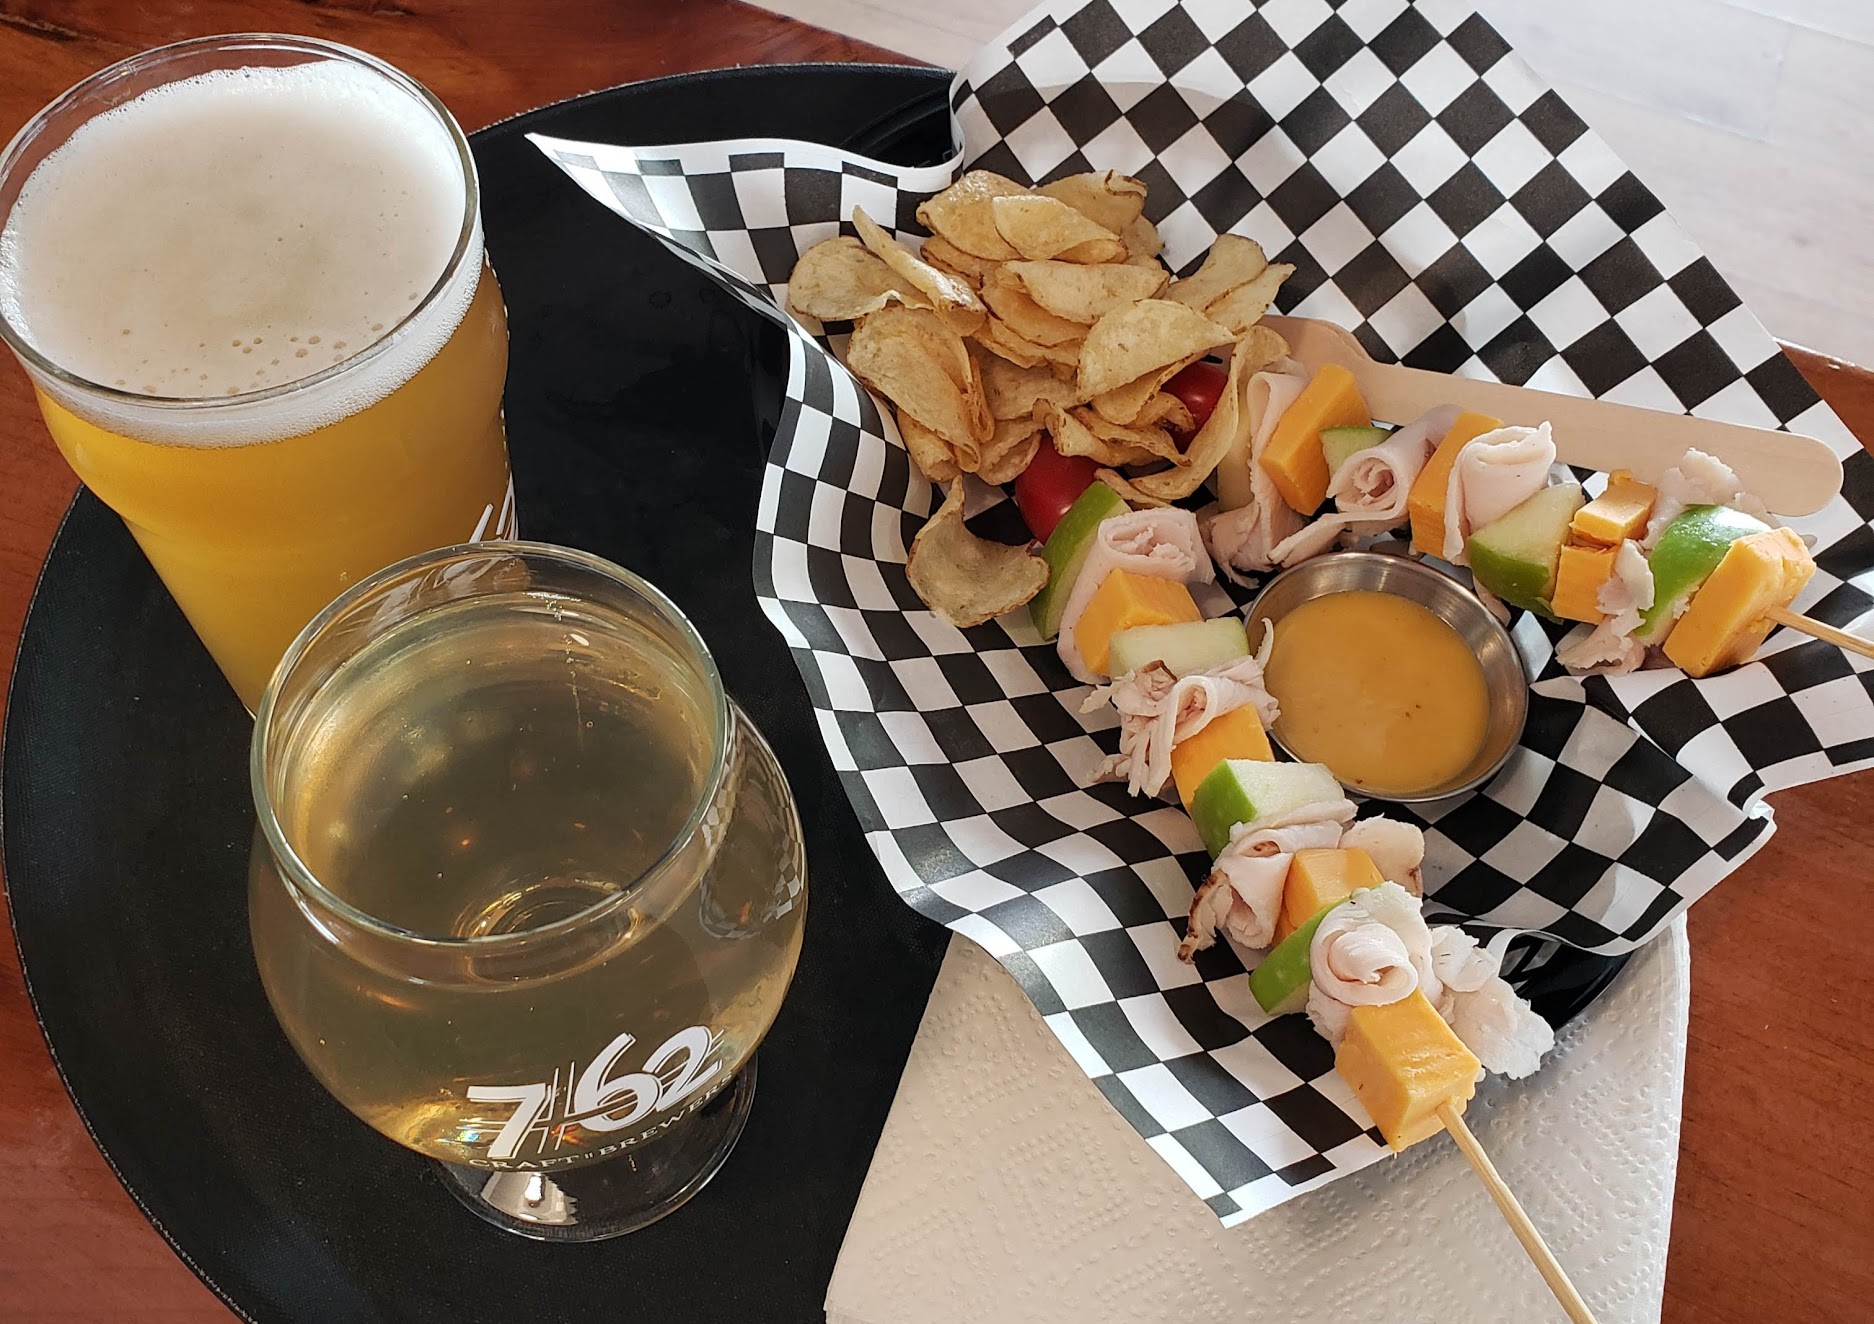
620 1195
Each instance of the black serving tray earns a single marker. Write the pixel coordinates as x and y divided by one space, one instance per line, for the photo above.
640 402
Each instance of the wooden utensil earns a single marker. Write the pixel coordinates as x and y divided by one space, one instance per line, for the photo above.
1789 473
1815 629
1512 1210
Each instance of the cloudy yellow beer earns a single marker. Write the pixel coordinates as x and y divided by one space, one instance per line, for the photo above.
254 303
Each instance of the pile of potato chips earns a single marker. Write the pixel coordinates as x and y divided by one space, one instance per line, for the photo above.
1040 314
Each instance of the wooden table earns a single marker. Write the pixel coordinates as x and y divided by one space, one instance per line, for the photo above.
1770 1221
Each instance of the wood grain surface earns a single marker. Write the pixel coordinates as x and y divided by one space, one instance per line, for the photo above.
1770 1220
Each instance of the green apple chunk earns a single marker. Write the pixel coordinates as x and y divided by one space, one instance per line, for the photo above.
1250 790
1514 556
1185 647
1339 443
1281 981
1688 550
1066 549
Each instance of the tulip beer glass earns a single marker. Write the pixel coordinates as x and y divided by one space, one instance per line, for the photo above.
529 888
245 275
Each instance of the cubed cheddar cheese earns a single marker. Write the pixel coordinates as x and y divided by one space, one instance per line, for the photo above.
1425 503
1238 734
1617 514
1578 579
1726 622
1404 1063
1319 877
1126 600
1293 459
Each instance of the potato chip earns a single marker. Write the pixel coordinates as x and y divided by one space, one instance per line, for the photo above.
962 214
1038 227
1212 442
1141 240
1083 294
1000 338
1109 199
1227 427
1013 391
982 422
946 256
1009 451
1165 410
929 452
1065 359
964 579
1094 252
1246 305
1132 495
1028 319
952 298
1259 347
841 281
1074 432
1130 342
1128 403
995 336
912 359
1155 441
1232 261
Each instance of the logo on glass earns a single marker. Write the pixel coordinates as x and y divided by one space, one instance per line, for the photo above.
553 1114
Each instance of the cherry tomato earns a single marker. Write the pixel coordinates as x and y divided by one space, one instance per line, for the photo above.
1199 386
1049 485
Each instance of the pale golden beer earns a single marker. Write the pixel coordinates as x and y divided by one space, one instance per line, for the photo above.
530 889
246 276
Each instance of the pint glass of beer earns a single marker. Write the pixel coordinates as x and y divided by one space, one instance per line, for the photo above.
528 888
245 275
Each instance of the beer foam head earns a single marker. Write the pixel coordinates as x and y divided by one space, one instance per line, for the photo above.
236 232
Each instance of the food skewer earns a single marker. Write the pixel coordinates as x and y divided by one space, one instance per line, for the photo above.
1791 473
1087 383
1815 629
1512 1210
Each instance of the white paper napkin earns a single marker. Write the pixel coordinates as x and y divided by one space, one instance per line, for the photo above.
1005 1188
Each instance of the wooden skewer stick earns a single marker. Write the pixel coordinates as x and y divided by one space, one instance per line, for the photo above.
1512 1211
1793 475
1795 620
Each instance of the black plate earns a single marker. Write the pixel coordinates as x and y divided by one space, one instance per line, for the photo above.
126 818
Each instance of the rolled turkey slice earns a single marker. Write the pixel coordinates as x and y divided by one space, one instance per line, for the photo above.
1493 475
1243 540
1372 949
1609 648
1697 479
1242 894
1373 484
1164 543
1370 489
1157 711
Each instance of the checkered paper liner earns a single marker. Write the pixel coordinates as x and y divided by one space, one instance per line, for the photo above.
1435 197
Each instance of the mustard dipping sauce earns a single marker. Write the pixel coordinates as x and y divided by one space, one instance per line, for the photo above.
1379 689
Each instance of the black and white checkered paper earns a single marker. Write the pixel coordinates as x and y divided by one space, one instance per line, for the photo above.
1435 197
